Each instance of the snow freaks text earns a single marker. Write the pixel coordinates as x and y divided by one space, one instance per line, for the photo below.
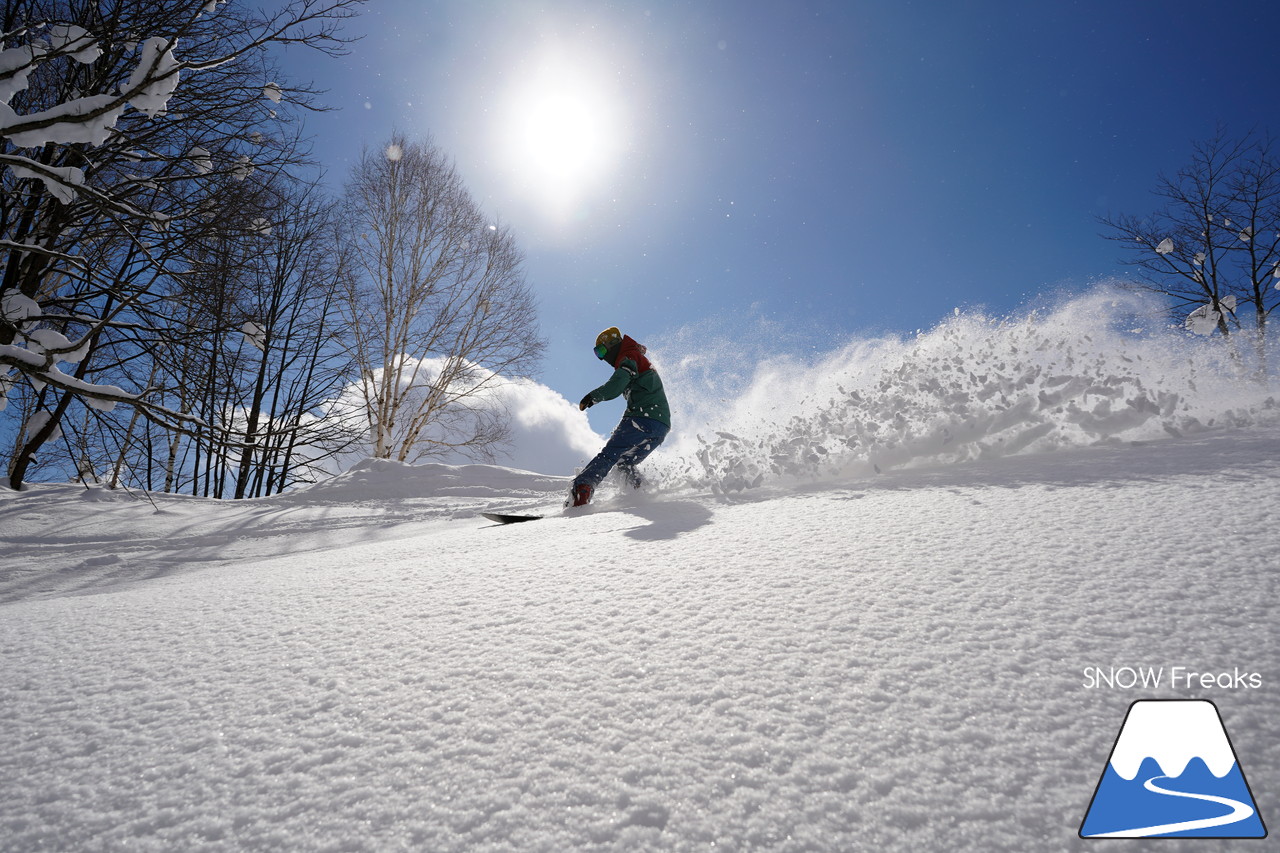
1174 677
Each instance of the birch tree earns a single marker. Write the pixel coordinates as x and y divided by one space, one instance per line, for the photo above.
437 308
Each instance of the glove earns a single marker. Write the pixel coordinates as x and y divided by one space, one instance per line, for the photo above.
586 403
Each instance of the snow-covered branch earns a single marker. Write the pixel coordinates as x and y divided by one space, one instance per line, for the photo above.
131 144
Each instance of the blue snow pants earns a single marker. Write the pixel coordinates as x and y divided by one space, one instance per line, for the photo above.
632 441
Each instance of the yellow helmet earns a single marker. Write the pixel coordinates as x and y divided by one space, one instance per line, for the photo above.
606 340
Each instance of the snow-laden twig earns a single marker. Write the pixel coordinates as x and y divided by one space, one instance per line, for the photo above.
60 181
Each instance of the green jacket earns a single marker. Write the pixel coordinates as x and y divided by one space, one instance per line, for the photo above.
639 384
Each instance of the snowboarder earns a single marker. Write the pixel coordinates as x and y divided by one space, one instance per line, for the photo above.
645 423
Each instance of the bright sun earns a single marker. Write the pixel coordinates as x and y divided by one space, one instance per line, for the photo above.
562 132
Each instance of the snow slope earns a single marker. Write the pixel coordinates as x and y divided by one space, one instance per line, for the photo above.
878 662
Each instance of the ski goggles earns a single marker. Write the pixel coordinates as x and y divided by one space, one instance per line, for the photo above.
601 351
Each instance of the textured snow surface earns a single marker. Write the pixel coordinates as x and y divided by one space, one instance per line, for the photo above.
891 663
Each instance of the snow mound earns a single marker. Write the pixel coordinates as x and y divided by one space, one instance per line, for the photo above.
972 388
385 479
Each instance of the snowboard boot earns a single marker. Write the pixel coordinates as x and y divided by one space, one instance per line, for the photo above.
580 494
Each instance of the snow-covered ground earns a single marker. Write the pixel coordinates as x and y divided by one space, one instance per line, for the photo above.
883 600
889 663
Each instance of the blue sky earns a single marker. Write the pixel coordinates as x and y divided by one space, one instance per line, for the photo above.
827 169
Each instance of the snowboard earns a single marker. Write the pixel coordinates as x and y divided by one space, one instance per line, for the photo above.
509 519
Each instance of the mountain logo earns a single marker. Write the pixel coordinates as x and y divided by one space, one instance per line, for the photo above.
1172 774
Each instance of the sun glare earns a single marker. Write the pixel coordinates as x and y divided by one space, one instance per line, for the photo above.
562 131
562 134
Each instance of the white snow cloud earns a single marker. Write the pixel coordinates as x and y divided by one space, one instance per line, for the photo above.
973 387
548 434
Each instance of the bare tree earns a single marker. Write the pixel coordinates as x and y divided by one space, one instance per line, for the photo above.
125 125
436 304
1214 245
295 364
